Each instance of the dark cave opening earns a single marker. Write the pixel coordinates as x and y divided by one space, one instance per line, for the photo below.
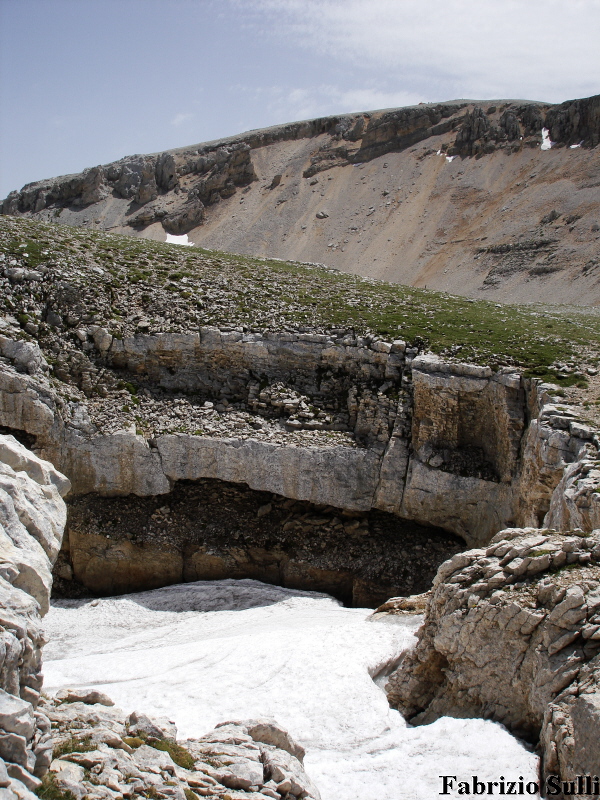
28 440
211 530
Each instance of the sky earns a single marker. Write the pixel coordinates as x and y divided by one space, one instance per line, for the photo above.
85 82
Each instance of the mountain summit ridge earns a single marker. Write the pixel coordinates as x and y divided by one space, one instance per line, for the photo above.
464 196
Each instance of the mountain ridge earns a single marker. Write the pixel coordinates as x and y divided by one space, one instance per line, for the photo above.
455 175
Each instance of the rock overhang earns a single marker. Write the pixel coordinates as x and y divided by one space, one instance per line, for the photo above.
442 443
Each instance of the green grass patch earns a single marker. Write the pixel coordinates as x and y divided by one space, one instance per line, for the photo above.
31 251
181 756
268 294
567 567
76 744
50 791
553 376
133 741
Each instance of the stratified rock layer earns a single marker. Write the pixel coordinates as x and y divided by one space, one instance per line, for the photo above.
32 520
447 444
512 633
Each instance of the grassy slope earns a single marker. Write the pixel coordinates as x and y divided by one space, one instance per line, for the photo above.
179 288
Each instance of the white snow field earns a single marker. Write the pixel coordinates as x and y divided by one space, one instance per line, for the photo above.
183 239
205 652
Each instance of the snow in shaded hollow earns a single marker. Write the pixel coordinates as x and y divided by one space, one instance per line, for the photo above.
201 653
546 143
183 239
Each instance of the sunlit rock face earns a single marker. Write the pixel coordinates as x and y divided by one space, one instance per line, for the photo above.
347 425
32 520
135 753
389 427
512 633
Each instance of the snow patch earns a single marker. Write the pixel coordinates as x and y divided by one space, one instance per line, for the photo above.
450 159
172 239
546 143
201 653
573 146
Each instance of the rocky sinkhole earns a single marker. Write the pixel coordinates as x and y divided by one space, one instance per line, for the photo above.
307 441
210 530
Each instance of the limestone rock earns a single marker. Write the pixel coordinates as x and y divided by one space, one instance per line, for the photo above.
341 477
26 356
16 715
140 724
575 121
466 449
247 760
415 604
268 731
32 519
22 460
87 696
510 634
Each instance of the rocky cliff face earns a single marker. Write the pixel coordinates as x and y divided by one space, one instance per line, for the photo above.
368 193
32 520
225 165
399 432
337 422
511 633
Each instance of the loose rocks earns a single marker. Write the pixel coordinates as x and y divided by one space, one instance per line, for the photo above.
100 753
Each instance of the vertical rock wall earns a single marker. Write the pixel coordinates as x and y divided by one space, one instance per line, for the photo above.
512 633
32 520
453 445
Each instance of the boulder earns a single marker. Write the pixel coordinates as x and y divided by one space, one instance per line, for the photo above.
87 696
512 633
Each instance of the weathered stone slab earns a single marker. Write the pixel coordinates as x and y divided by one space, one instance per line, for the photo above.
337 476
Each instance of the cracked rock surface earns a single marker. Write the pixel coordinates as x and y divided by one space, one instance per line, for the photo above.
512 633
32 519
99 753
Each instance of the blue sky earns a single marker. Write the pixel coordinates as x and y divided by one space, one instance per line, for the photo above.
85 82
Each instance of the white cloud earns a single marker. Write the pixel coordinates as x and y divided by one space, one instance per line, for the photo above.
286 105
538 49
179 119
360 99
